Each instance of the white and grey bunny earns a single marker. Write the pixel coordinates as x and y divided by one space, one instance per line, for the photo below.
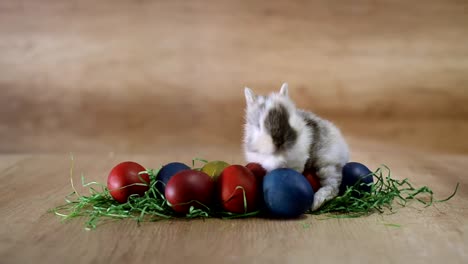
277 135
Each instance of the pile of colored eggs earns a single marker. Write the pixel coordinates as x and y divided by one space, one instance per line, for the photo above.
237 189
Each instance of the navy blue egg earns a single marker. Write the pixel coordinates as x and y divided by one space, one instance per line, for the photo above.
287 193
166 173
354 172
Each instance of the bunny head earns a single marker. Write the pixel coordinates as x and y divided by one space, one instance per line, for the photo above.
272 123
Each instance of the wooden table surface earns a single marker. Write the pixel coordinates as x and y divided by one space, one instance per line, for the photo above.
32 184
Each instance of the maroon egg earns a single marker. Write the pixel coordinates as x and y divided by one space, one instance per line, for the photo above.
257 169
234 181
259 172
189 188
123 181
312 178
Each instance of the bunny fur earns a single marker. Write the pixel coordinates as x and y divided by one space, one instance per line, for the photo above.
278 135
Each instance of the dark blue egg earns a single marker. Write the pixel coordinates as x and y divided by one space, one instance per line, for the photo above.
354 172
287 193
166 173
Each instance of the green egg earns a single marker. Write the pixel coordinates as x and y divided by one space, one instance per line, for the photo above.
214 168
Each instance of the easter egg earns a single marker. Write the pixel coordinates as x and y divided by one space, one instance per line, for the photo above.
354 172
287 193
166 173
214 168
257 170
124 180
189 188
312 178
235 183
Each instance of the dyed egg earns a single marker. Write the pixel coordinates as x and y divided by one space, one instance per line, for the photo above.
214 168
234 182
312 178
354 172
287 193
189 188
166 173
257 170
123 179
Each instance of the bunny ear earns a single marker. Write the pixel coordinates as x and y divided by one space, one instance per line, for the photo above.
249 95
284 89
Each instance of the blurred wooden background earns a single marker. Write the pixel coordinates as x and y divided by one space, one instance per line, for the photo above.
146 76
159 81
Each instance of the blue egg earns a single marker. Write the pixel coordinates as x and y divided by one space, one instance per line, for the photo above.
354 172
166 173
287 193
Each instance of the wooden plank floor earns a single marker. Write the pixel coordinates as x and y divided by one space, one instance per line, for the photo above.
31 184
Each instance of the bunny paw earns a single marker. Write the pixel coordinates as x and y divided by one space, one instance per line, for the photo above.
319 199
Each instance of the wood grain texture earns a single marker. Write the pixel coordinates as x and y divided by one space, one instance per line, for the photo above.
131 76
33 184
159 81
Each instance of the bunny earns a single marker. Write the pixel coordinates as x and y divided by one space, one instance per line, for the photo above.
278 135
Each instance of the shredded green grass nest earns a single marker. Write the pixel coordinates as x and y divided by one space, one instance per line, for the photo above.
384 192
99 205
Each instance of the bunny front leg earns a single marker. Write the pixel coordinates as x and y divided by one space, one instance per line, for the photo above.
330 180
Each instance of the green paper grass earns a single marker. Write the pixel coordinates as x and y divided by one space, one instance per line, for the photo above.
385 192
99 205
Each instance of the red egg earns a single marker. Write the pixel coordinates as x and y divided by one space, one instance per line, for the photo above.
189 188
234 181
259 172
257 169
121 178
312 178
